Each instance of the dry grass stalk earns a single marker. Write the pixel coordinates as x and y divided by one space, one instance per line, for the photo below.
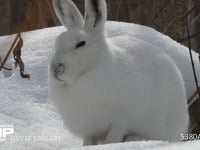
8 54
17 57
191 58
16 49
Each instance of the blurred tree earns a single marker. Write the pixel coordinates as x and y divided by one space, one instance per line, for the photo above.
24 15
194 20
9 14
37 14
164 15
167 16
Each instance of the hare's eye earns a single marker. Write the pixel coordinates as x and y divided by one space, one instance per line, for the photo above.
80 44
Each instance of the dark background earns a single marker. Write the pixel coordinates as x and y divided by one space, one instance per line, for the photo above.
167 16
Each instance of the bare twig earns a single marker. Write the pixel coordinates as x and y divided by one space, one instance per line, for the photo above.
162 9
190 11
192 99
186 38
192 128
8 54
17 56
177 18
195 19
16 49
5 68
191 58
169 25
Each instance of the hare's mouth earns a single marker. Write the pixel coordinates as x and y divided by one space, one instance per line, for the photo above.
57 77
58 71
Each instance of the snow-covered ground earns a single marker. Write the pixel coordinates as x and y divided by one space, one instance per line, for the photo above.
26 105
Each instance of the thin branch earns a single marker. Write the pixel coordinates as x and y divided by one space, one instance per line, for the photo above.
191 58
162 9
192 99
9 52
16 49
169 25
17 57
177 18
186 38
195 19
5 68
192 127
190 11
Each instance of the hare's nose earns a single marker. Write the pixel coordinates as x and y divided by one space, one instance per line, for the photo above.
58 69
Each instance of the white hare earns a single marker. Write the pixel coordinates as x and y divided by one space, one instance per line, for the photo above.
106 89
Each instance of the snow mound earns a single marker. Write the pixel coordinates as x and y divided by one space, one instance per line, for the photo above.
26 105
151 145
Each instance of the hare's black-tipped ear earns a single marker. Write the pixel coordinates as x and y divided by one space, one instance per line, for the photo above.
95 14
68 13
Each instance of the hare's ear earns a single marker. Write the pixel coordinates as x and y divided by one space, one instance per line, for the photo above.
68 13
95 15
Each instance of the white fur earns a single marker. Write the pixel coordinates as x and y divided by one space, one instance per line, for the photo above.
111 88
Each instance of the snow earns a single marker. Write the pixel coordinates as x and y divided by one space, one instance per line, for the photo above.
145 146
151 145
26 105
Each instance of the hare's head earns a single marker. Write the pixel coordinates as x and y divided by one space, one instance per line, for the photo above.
81 46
